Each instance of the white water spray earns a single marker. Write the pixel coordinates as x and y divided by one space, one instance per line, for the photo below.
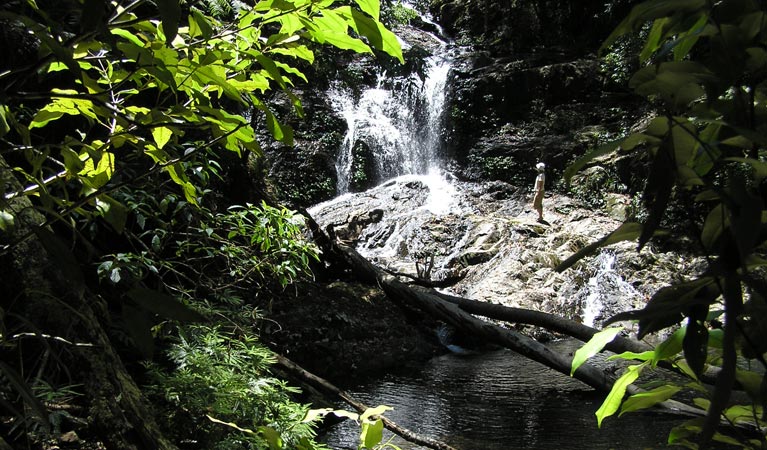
399 123
604 288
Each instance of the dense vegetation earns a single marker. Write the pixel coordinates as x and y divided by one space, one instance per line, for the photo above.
133 227
704 69
124 126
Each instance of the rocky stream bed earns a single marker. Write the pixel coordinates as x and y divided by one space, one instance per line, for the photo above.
475 240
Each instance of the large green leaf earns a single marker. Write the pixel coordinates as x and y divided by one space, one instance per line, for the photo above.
371 7
372 433
615 397
593 346
377 35
170 12
644 400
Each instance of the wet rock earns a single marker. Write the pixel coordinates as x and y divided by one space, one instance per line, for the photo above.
492 249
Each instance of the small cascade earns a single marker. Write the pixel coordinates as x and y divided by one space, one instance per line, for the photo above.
604 290
398 123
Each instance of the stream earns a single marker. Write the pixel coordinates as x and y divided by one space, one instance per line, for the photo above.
482 235
500 400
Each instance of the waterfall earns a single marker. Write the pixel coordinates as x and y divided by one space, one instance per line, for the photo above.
605 288
398 123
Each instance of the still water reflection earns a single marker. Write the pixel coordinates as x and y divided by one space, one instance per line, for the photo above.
500 400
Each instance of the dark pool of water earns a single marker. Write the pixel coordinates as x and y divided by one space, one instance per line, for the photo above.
500 400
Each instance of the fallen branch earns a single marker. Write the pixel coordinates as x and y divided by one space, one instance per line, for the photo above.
559 324
431 303
324 385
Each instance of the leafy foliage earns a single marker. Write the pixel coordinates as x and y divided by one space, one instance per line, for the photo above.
113 133
162 91
705 69
218 376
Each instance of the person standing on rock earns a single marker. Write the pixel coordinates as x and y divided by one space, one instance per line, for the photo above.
540 181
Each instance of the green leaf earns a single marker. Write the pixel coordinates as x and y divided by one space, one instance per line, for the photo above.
372 433
371 7
377 35
199 25
670 347
161 136
614 398
170 12
97 174
7 221
127 35
316 414
272 437
626 232
377 411
644 356
593 346
4 127
164 305
644 400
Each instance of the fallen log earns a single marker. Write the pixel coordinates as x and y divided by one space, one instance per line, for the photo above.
431 303
541 319
320 383
562 325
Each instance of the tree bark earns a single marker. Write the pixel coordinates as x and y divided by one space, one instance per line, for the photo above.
50 296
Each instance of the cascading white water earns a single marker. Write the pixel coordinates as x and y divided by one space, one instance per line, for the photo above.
603 288
398 120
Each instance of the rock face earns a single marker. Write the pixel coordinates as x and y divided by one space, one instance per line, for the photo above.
481 241
531 87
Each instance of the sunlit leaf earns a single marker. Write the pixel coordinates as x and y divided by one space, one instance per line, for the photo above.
377 411
615 397
593 346
644 400
161 136
371 7
372 433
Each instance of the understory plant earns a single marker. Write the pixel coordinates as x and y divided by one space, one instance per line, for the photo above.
218 393
703 68
114 116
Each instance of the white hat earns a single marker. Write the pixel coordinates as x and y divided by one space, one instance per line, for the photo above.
540 166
